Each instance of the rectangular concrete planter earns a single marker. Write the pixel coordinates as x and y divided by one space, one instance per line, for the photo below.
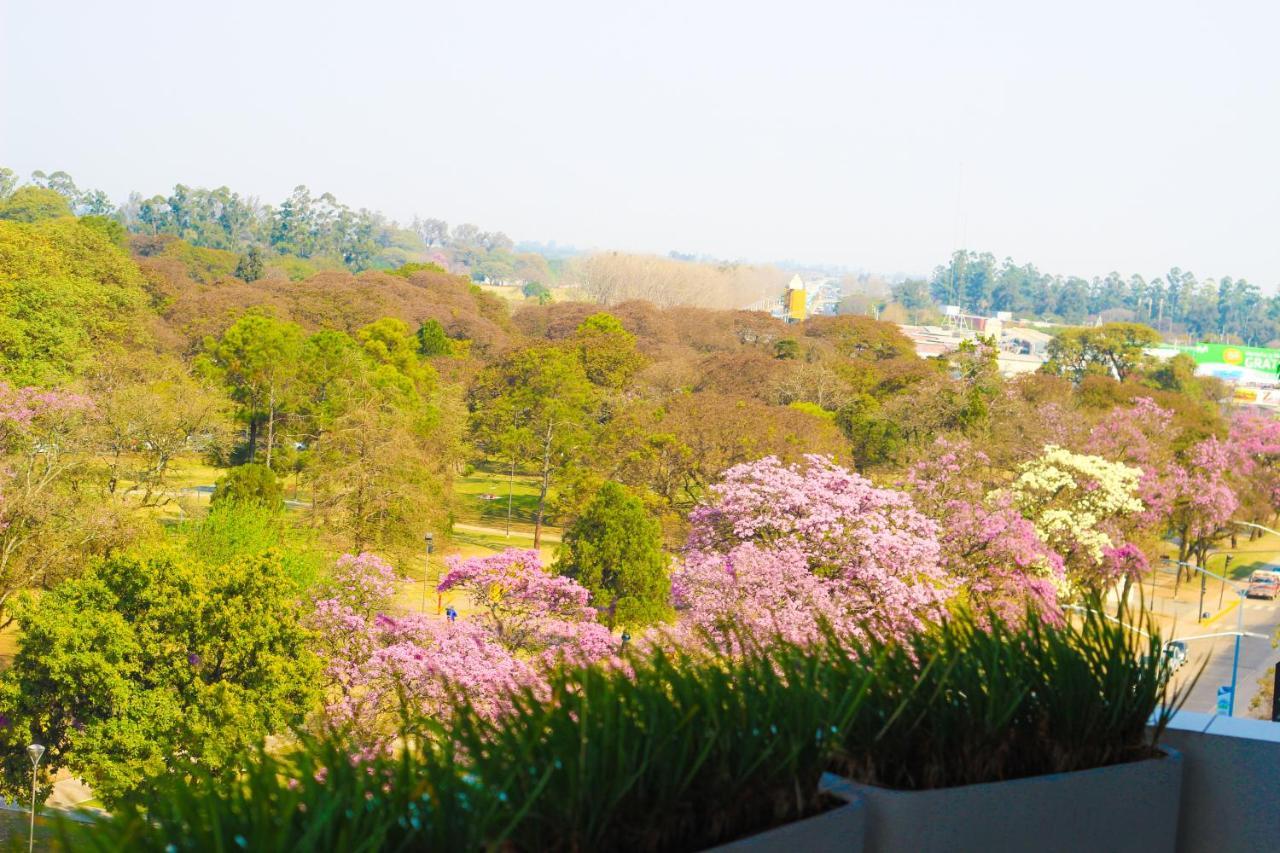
839 830
1125 807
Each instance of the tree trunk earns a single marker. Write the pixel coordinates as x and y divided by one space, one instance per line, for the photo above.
542 492
271 425
510 487
253 438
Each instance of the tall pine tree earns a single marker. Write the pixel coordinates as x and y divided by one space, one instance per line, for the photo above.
614 549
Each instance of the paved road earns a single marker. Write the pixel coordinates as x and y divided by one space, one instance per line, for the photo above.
1257 657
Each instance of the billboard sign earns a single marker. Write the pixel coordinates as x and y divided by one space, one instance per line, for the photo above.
1268 397
1243 365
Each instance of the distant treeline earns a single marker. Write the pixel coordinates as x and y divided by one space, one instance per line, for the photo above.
1179 303
318 230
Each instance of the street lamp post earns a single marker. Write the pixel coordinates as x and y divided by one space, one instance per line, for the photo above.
1235 658
35 752
426 570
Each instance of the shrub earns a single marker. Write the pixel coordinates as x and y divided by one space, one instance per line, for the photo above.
250 484
680 750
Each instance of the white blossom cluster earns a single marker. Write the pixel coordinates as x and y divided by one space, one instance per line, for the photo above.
1070 495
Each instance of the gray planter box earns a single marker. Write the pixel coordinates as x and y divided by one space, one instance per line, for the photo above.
1125 807
839 830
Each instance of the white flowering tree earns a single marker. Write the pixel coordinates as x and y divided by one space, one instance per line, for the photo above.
1079 504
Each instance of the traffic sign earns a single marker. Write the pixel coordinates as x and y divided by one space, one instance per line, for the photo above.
1224 700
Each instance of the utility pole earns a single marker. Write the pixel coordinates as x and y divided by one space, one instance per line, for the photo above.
1200 609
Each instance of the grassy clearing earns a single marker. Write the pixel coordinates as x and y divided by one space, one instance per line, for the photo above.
482 498
516 297
462 544
1261 553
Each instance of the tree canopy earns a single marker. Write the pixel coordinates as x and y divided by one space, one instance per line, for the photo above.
614 549
142 664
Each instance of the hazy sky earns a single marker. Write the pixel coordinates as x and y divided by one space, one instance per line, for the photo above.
1082 136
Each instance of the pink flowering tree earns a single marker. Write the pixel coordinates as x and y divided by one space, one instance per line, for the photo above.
760 591
1204 501
380 666
1255 441
52 517
797 544
1140 435
524 607
998 558
954 470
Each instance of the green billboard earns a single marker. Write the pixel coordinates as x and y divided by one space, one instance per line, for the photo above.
1245 365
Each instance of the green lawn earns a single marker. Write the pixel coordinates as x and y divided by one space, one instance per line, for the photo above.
482 498
1261 553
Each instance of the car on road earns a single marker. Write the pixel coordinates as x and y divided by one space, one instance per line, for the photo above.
1264 584
1176 652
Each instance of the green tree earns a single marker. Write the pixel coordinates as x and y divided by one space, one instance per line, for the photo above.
432 340
535 406
608 351
393 350
107 227
32 204
379 475
249 484
615 550
536 290
258 359
251 265
145 663
406 270
786 349
873 437
149 411
1116 349
54 515
66 292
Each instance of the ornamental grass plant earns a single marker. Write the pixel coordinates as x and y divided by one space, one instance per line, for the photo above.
675 750
313 796
685 747
973 701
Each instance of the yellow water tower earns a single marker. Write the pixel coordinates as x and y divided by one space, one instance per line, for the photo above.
797 300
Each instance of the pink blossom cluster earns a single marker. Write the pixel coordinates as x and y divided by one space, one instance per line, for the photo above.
951 473
379 665
24 406
1256 439
761 592
1204 498
872 558
1139 435
1000 560
517 598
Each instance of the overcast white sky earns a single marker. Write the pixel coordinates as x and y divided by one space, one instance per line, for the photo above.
1082 136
